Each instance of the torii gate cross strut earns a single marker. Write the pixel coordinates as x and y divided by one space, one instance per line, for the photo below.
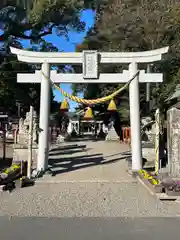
90 61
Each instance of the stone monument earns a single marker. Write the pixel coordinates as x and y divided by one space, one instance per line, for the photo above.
148 130
21 125
173 142
20 150
26 126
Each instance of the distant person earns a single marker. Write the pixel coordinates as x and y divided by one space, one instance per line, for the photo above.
101 132
93 129
105 128
70 128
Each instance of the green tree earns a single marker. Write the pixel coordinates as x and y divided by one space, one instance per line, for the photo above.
41 17
128 25
27 19
12 92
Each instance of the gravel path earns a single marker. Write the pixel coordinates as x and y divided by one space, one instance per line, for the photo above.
85 200
81 197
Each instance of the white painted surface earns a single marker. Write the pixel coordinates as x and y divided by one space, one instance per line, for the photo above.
43 150
70 127
148 87
157 140
74 57
135 120
30 140
90 64
78 78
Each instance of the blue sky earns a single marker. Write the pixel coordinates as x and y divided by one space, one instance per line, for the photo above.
88 16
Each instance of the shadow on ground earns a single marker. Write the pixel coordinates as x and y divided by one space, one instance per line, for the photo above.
59 165
85 140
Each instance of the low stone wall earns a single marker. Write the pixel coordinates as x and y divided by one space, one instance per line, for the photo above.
20 152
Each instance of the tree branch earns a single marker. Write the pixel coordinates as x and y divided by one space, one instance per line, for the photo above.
4 36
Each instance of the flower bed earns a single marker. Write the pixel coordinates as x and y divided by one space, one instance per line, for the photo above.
173 188
12 173
164 190
151 181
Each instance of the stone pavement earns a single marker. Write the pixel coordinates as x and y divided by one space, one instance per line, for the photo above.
90 161
91 228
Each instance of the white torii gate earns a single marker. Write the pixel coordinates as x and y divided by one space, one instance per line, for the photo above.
90 61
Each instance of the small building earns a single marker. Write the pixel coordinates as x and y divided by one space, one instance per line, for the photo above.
83 126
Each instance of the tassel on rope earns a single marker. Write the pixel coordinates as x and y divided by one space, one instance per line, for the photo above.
64 105
90 101
112 106
88 114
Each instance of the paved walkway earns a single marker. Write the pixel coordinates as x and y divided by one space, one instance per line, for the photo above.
96 228
90 161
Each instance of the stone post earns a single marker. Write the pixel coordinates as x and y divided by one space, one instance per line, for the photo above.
173 142
43 150
135 120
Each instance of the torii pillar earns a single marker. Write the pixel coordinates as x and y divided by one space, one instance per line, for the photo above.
90 74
